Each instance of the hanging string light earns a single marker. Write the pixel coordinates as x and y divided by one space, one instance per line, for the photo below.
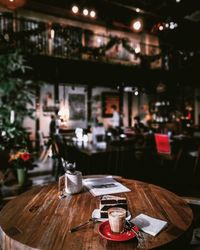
85 11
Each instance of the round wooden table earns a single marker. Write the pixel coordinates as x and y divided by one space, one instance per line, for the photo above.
38 219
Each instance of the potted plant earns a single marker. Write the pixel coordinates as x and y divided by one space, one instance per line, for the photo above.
20 161
16 98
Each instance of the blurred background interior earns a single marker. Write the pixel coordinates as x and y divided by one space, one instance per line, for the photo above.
96 82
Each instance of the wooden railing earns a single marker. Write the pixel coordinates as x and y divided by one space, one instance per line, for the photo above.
72 42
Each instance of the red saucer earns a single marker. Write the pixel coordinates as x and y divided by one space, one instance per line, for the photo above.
105 232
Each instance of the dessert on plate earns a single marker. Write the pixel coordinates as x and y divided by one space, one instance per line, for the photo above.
109 201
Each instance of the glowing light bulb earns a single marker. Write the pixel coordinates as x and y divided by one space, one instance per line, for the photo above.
137 50
85 12
75 9
92 13
137 25
52 33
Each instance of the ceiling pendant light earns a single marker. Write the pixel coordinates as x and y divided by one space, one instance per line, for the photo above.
85 12
12 4
75 9
137 25
92 14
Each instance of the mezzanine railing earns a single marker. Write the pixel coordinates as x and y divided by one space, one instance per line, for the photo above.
57 40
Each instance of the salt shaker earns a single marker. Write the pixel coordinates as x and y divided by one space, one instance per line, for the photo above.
73 179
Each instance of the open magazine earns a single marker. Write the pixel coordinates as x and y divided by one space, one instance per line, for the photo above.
103 186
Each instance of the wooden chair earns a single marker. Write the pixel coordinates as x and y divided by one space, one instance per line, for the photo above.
186 173
194 174
197 162
164 150
43 145
57 155
194 203
177 180
163 145
121 157
168 160
191 186
60 150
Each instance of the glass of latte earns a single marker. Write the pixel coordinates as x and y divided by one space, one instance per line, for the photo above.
116 217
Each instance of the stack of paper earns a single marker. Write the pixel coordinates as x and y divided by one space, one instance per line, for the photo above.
149 224
102 186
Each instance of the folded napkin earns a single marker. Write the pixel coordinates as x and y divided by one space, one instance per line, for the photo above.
149 224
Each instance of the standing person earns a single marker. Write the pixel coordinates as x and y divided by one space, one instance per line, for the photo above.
52 126
115 120
53 130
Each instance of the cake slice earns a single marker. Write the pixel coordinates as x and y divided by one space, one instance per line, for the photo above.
109 201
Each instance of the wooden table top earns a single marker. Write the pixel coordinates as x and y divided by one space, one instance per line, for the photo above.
38 219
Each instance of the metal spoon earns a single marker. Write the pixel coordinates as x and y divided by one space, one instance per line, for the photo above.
82 225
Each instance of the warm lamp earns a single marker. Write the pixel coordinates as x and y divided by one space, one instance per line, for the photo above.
75 9
12 4
137 25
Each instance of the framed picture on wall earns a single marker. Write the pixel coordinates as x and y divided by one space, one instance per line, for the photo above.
49 105
77 107
109 99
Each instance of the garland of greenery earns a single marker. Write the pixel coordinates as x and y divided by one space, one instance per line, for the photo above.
68 37
100 51
151 58
67 41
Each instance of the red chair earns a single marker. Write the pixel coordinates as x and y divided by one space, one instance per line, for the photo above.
164 150
163 144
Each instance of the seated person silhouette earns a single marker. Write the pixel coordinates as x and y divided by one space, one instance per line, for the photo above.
139 127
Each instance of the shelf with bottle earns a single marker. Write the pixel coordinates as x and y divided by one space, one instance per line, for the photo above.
160 110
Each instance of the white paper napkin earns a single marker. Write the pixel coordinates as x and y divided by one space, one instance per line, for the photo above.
149 224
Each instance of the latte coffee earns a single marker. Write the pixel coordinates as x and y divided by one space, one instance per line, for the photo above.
116 217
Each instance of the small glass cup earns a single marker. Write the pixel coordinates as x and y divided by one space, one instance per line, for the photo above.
116 217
